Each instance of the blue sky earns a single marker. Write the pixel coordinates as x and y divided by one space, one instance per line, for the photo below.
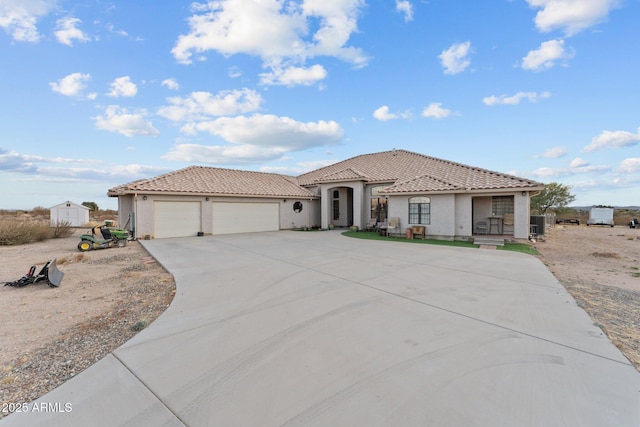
100 93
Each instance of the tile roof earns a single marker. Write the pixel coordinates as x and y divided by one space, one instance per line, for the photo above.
413 172
403 171
216 181
347 174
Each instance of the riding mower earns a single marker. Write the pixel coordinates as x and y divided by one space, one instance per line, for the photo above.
111 237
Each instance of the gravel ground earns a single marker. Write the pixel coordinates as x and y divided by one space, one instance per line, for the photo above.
50 335
600 268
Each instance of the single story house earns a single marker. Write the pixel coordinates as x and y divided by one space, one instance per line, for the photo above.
449 198
69 212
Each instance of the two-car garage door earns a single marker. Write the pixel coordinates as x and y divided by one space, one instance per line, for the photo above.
245 217
184 219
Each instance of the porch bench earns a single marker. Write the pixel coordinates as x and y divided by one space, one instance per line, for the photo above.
419 231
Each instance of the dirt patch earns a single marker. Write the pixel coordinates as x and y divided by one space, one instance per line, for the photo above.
600 267
48 335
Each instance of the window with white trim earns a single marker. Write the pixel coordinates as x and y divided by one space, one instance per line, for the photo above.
336 205
420 210
378 204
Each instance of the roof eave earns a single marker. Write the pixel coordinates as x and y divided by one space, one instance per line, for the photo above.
209 194
501 190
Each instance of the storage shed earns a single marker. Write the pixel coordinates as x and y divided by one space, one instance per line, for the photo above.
74 214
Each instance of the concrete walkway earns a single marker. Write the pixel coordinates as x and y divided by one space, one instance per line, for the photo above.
315 329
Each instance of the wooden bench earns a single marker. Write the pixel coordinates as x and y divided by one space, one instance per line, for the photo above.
419 231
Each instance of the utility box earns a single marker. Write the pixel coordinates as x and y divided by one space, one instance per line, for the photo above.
601 216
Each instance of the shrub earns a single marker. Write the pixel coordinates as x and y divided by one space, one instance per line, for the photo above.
138 326
20 232
62 229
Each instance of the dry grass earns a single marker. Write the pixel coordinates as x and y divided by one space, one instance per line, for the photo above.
21 231
606 255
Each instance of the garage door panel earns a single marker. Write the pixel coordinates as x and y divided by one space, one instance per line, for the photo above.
231 218
176 219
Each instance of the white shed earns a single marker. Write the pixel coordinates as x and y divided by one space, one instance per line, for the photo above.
74 214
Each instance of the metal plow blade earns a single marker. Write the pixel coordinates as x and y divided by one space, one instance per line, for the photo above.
51 274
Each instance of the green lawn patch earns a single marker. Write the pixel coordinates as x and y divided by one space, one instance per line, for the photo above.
519 247
373 235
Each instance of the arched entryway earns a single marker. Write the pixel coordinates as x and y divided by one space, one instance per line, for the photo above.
340 207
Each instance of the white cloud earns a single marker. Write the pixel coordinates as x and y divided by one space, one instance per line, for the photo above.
256 139
112 29
66 31
572 16
577 166
550 172
455 59
123 86
273 30
613 139
546 56
117 119
170 84
553 153
73 168
630 165
578 163
71 85
204 105
234 72
294 76
273 131
383 114
406 8
299 168
435 111
20 17
220 155
515 99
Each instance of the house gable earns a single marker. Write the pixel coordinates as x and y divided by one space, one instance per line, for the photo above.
417 172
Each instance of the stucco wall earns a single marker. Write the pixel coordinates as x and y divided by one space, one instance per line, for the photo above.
453 216
521 211
443 214
291 219
144 214
464 208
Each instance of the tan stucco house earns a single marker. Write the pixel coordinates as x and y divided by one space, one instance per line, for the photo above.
450 199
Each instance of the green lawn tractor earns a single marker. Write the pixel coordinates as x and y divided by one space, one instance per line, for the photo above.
102 237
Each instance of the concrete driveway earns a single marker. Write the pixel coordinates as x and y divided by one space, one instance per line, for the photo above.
315 329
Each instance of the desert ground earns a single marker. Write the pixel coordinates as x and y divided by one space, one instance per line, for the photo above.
48 335
600 267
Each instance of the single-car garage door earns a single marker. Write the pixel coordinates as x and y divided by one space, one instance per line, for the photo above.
176 219
245 217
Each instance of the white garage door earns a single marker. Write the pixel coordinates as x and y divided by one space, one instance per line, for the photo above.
245 217
176 219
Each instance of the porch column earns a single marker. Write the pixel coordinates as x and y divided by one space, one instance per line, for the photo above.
521 215
324 206
358 199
